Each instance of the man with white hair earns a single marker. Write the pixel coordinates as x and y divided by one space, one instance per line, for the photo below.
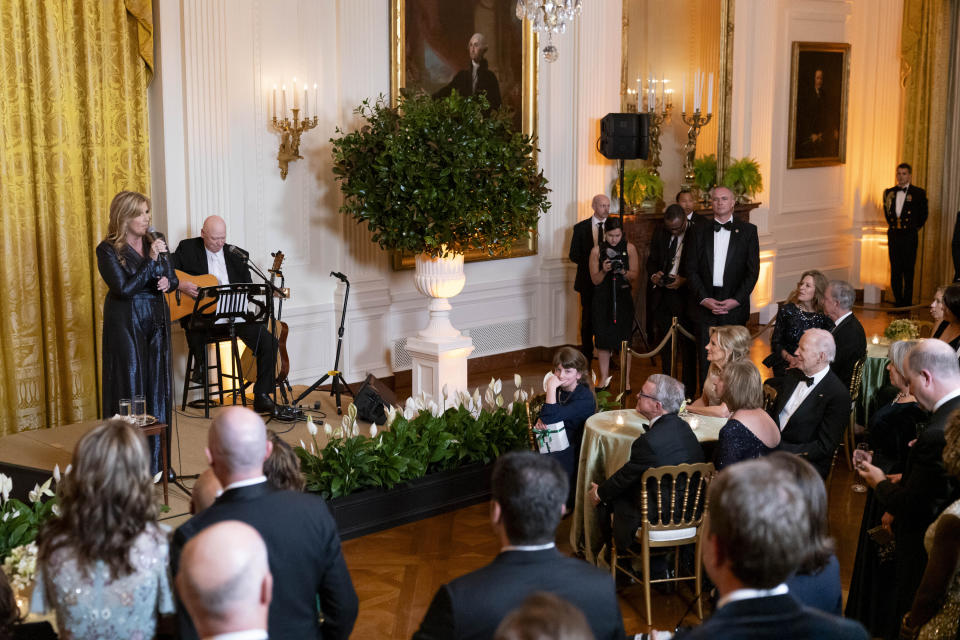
478 78
813 406
225 581
925 488
303 544
847 332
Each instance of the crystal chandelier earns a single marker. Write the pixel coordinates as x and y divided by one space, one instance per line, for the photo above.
548 17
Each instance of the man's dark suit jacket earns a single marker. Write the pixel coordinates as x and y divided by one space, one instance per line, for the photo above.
914 212
816 427
471 607
851 346
463 83
303 549
581 245
669 441
191 257
776 618
740 272
922 493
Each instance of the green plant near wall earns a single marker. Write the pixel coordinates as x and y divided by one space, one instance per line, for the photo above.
743 178
705 173
639 185
437 176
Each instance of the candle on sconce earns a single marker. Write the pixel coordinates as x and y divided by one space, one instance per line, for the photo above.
683 94
710 95
306 102
316 99
669 93
274 102
283 103
296 100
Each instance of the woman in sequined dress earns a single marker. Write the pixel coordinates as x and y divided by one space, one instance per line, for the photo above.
102 565
803 310
935 613
750 432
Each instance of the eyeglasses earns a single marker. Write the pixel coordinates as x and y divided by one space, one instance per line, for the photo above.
648 397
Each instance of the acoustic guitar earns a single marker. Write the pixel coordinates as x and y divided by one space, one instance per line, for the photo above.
281 331
180 303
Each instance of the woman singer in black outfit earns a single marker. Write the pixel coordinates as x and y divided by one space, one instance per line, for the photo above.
136 334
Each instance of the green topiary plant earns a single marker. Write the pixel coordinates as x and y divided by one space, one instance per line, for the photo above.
705 173
639 185
439 176
743 178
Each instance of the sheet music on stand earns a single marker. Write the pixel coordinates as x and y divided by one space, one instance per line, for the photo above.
231 303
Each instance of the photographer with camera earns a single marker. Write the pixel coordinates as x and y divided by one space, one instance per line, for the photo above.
614 267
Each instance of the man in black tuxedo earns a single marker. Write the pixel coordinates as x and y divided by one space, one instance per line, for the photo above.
211 254
812 407
925 488
225 582
847 331
905 208
722 265
478 78
528 494
756 533
587 234
668 296
668 441
303 544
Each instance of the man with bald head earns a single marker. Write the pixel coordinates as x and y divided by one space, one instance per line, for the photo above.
925 488
476 79
587 234
211 254
303 545
812 406
225 581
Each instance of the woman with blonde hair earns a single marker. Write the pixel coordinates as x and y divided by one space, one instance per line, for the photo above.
728 343
102 564
803 310
136 333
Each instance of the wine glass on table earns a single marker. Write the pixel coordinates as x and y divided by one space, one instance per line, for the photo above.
861 455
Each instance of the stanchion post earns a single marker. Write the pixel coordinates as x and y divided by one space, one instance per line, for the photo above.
623 365
673 347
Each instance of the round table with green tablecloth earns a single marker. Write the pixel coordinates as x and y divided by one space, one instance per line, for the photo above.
875 376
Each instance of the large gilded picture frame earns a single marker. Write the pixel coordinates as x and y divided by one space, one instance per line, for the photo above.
429 42
819 86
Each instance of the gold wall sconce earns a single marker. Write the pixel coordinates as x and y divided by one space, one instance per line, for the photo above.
291 129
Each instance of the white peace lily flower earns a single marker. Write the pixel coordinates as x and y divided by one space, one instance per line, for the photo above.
56 472
497 386
499 401
435 409
67 470
606 381
6 486
391 414
491 383
516 395
445 392
510 409
346 424
302 445
488 396
34 495
373 430
157 477
327 429
352 412
476 396
356 429
313 450
421 401
409 413
523 396
45 488
517 380
311 427
6 516
56 510
593 377
475 412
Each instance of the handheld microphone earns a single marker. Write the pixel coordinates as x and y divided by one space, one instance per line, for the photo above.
153 235
338 276
237 251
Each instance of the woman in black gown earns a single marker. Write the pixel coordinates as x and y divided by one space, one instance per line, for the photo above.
872 598
949 308
614 267
803 310
136 331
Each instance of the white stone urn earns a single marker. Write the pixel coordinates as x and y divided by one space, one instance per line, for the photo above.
439 279
439 352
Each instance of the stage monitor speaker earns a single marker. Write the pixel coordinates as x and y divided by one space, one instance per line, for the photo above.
625 136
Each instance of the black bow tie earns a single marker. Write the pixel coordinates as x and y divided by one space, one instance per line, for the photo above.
904 189
803 378
728 225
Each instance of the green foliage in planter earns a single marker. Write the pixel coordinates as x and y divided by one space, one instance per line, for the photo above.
19 522
639 185
435 176
743 178
413 448
705 172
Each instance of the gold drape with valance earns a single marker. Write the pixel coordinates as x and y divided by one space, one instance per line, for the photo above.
925 56
73 132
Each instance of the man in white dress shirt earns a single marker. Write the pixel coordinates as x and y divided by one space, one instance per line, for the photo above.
813 406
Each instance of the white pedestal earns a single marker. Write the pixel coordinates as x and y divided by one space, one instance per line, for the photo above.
871 294
439 362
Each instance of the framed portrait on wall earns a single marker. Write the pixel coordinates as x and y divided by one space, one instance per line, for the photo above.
470 46
819 83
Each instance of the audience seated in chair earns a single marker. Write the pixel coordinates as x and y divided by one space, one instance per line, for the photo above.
848 333
925 488
12 626
528 493
750 432
669 440
813 407
803 310
544 616
303 545
949 329
225 581
105 552
728 343
758 532
282 466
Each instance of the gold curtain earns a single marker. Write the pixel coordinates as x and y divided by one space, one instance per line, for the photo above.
925 65
73 132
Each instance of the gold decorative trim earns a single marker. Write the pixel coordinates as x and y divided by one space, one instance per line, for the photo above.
725 89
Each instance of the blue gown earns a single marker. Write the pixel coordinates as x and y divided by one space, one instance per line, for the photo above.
736 442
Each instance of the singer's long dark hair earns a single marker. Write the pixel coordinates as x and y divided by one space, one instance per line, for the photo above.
125 206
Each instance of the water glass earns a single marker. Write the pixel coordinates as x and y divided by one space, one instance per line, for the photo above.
860 455
125 408
140 409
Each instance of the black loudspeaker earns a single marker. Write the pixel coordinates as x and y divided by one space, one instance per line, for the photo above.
625 136
371 398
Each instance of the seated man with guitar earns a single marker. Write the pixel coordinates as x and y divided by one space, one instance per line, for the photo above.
210 254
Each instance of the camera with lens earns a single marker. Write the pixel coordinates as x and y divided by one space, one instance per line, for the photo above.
618 260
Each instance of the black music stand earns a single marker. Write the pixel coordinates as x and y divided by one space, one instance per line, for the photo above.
216 313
